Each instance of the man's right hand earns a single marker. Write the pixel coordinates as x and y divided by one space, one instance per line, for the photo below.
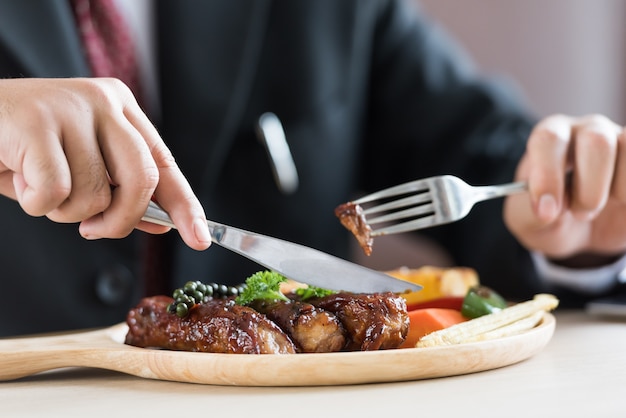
82 150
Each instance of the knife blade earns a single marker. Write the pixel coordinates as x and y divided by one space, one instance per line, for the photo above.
294 261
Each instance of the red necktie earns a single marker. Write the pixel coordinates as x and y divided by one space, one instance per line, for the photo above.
110 52
107 42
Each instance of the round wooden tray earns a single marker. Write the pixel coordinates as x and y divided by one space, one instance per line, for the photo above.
106 349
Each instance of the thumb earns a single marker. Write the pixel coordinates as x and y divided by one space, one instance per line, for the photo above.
547 207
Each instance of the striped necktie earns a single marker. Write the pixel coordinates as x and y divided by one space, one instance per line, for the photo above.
110 52
107 42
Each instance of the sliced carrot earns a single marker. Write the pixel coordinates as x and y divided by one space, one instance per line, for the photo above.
448 302
425 321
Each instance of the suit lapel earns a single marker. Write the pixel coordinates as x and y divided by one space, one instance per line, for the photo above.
200 42
209 54
42 38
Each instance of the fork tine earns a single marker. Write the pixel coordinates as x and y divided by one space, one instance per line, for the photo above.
401 214
420 223
400 203
410 187
428 202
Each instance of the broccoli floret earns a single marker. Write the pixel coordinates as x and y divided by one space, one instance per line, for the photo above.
313 292
263 285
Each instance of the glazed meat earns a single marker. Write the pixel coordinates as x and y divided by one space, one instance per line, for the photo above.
373 321
218 326
312 329
353 219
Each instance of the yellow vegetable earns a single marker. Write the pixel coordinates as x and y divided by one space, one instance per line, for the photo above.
437 282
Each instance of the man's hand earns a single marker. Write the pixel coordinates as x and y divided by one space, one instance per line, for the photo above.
575 210
81 150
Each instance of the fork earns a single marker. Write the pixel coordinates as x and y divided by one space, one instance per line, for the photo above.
428 202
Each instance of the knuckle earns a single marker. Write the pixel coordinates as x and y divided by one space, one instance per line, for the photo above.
598 140
600 135
552 131
104 91
149 178
598 120
163 156
58 187
97 89
599 130
98 203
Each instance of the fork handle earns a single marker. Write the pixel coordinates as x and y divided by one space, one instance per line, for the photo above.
492 192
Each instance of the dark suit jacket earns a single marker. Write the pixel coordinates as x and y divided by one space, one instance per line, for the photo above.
370 94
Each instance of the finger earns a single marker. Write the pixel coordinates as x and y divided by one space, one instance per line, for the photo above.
152 228
547 159
44 180
618 188
33 165
174 193
6 185
595 150
132 171
91 190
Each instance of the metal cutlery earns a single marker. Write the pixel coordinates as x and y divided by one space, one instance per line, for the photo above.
294 261
427 202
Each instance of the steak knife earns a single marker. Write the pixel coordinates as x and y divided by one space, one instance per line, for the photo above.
295 261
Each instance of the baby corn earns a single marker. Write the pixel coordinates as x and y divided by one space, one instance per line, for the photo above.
516 327
493 325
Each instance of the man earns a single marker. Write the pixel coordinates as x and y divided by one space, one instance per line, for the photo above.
370 94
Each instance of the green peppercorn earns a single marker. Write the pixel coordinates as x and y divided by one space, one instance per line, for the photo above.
195 292
182 310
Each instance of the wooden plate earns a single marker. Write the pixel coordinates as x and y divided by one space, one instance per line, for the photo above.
105 349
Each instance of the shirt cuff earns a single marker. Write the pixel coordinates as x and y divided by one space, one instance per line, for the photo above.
592 281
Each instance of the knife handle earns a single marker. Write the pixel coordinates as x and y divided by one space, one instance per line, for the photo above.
156 215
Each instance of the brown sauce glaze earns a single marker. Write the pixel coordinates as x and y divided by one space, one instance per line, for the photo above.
218 326
352 218
373 321
312 329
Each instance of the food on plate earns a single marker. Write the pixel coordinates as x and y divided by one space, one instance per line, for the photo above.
482 300
270 314
508 321
216 326
446 302
427 320
451 297
437 282
353 219
259 318
372 321
198 292
312 330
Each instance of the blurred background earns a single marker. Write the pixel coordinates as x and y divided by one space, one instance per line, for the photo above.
567 56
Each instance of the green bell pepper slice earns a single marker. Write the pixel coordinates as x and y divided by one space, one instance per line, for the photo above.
481 300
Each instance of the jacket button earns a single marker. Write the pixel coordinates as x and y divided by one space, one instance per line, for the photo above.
114 285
